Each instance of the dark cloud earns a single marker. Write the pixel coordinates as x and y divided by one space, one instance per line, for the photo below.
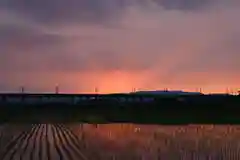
183 4
88 11
15 37
19 43
63 11
23 48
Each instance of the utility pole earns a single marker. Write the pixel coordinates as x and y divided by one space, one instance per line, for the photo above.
134 90
56 89
22 90
96 90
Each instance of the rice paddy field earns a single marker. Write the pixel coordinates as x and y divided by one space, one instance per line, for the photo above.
118 141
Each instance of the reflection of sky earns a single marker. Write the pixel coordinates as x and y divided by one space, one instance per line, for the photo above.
119 44
148 141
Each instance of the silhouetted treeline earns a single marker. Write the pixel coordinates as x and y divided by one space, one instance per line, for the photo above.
170 110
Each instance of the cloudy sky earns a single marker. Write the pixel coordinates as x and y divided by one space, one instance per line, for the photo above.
117 45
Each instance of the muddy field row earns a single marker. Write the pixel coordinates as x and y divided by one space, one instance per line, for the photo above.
118 141
40 142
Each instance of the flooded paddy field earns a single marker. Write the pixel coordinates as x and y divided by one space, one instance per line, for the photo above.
118 141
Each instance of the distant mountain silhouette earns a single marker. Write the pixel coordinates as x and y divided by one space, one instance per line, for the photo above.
166 92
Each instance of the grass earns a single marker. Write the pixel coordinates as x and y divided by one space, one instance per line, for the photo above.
121 141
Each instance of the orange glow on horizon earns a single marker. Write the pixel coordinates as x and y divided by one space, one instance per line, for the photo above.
122 81
117 81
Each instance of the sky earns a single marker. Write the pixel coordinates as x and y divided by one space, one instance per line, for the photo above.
117 45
